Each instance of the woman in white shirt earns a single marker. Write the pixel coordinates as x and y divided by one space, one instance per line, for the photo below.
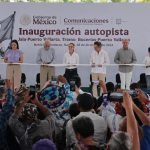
71 58
147 64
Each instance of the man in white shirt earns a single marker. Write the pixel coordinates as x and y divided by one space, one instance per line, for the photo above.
45 56
147 71
99 58
71 58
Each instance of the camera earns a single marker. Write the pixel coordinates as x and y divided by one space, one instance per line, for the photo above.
32 91
118 97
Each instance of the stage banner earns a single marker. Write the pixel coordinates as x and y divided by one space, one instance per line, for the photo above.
82 24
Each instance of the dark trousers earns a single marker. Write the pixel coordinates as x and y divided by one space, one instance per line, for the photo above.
70 74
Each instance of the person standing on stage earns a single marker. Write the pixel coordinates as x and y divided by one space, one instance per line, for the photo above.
12 56
147 64
99 58
125 55
71 58
46 55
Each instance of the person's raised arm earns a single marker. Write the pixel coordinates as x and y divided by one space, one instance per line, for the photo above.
8 106
19 108
142 116
42 108
141 96
132 127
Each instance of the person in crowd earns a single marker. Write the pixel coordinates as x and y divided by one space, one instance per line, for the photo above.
85 102
126 140
145 128
5 113
45 56
125 55
44 144
26 126
78 89
2 97
142 119
60 94
99 58
12 56
147 71
110 111
84 130
71 58
74 110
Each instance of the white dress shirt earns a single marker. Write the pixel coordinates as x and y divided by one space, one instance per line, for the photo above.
147 63
99 59
100 128
112 119
71 59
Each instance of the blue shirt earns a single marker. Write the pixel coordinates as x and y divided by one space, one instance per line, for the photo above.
145 141
13 56
4 116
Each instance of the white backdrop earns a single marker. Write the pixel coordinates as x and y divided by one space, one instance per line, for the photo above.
131 20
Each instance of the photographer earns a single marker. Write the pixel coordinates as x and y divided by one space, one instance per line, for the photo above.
5 114
25 124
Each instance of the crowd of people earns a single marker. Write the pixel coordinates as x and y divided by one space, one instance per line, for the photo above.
61 116
57 118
